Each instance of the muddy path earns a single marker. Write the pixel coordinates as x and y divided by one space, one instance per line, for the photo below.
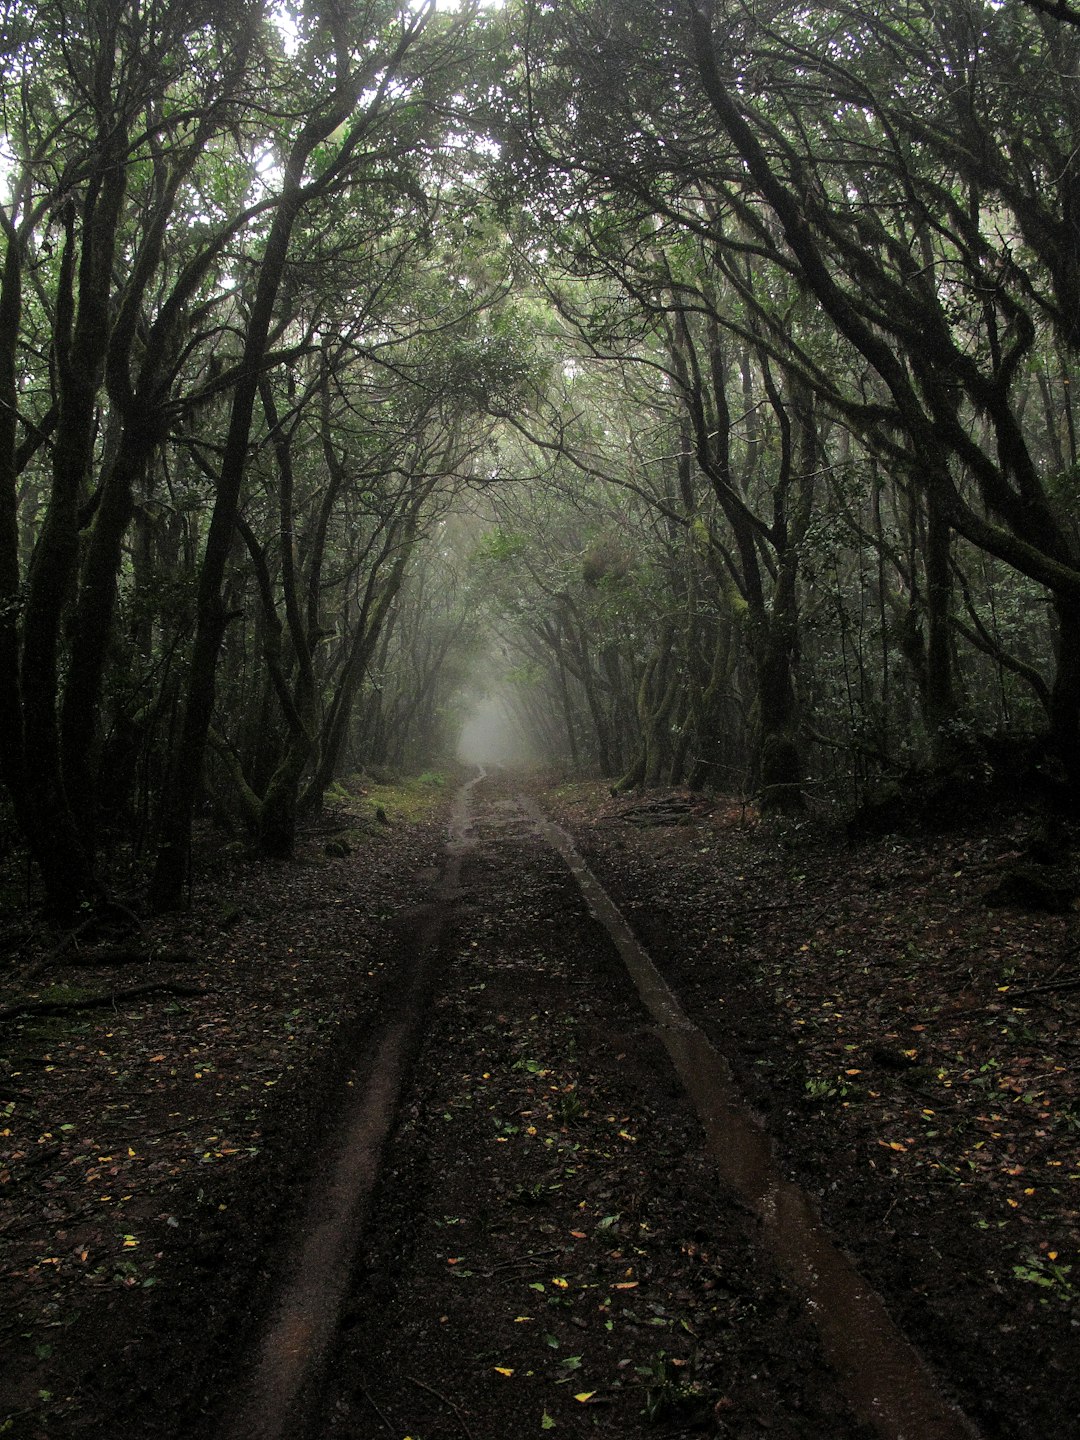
547 1208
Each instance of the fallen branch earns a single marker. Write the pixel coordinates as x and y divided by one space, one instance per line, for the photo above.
71 939
96 1002
1047 988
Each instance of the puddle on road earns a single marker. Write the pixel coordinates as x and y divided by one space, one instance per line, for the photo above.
885 1379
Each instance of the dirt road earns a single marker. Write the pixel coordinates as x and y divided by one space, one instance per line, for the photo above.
558 1216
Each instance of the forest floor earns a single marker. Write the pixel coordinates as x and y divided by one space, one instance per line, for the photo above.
543 1242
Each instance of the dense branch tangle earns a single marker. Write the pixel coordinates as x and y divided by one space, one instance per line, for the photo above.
771 316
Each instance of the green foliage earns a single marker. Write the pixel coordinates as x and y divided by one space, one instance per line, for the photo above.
682 440
1051 1276
499 546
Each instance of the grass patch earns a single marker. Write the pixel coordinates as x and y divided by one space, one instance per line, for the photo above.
407 801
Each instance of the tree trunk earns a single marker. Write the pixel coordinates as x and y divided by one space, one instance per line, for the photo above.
80 343
1065 695
278 811
373 616
171 870
940 686
781 770
12 755
91 632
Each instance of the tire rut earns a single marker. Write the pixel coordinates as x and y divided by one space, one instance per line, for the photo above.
284 1373
522 1228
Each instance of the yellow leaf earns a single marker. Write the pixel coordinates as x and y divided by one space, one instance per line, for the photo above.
504 1370
560 1282
1014 1203
521 1319
626 1285
583 1395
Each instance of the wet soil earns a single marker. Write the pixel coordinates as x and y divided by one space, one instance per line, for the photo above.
554 1251
157 1153
448 1179
911 1049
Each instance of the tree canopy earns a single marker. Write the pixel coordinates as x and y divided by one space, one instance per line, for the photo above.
697 378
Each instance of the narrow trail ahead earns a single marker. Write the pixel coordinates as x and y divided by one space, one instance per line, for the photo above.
574 1225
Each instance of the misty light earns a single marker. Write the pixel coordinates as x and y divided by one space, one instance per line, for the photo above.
492 736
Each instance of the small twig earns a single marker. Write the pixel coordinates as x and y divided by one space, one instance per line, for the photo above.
446 1401
741 910
367 1396
184 1129
532 1259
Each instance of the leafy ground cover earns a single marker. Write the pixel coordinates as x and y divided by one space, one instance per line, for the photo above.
141 1138
913 1048
549 1250
552 1252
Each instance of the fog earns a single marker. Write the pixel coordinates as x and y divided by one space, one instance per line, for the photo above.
492 736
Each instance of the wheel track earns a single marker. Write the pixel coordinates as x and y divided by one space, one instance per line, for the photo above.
886 1383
